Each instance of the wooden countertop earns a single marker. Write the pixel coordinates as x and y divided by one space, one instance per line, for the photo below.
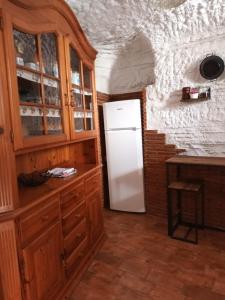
197 160
29 195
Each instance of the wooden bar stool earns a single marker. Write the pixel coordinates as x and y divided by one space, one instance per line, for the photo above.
188 186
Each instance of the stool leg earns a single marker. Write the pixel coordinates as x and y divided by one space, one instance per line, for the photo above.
169 212
203 206
196 220
179 207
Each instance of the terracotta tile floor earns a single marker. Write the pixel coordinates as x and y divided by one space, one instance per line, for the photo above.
138 261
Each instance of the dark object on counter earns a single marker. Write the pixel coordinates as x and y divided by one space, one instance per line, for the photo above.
211 67
32 179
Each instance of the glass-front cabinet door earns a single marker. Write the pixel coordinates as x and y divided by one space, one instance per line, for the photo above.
81 95
39 87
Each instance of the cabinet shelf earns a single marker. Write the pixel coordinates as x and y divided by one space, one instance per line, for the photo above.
39 105
30 70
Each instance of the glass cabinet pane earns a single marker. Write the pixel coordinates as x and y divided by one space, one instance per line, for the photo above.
26 49
89 121
87 77
51 91
32 120
78 121
77 99
88 100
75 66
49 54
54 121
29 85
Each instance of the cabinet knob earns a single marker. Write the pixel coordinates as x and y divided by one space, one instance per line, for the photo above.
1 130
77 216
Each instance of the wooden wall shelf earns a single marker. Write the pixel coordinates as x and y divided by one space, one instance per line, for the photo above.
202 96
195 100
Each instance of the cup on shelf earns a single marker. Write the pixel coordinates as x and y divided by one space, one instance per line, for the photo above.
19 61
194 95
75 78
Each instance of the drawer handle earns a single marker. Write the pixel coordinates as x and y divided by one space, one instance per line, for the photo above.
45 218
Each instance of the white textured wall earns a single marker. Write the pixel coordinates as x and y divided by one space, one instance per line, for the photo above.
198 127
160 44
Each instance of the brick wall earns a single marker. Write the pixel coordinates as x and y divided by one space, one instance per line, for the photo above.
156 152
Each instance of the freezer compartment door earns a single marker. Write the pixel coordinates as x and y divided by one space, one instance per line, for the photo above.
122 114
125 170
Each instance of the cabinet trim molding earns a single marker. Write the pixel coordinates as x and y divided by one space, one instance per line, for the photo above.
10 277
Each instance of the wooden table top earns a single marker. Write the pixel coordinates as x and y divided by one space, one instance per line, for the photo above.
197 160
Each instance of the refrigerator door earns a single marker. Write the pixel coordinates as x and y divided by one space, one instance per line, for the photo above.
122 114
125 170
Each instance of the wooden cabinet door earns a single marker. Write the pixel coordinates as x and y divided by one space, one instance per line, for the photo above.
43 271
95 216
81 91
37 81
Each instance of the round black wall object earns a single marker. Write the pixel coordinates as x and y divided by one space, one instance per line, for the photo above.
212 67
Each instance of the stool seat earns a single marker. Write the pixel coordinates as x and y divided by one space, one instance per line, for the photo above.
185 186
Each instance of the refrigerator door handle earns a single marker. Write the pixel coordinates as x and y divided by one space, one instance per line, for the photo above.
126 128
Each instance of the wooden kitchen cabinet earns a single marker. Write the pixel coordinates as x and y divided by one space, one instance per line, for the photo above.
43 265
48 118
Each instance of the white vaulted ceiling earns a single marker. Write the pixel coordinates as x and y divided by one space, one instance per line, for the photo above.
113 23
159 44
116 28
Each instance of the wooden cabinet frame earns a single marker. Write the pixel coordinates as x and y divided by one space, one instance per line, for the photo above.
21 259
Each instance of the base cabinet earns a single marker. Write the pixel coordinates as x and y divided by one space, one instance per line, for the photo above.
58 236
42 265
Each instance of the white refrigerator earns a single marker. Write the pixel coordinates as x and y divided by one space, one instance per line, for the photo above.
123 135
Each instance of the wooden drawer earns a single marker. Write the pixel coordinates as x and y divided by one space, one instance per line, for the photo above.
74 218
36 220
72 197
74 260
92 184
75 237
